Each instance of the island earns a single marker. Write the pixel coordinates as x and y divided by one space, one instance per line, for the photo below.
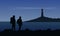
44 19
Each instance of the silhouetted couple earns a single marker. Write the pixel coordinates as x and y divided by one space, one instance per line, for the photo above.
13 22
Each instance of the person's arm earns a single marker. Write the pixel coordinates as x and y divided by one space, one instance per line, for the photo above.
21 21
10 20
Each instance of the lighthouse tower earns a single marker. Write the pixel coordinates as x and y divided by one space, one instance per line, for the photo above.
42 14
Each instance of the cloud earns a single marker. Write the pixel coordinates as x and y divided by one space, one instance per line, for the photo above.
28 8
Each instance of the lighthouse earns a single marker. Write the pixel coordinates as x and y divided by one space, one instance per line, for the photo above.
42 14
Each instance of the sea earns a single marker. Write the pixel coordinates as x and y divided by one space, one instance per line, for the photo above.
32 25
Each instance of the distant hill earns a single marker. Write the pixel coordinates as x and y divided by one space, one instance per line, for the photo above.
44 19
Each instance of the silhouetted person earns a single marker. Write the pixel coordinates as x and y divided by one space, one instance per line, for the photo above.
19 22
13 22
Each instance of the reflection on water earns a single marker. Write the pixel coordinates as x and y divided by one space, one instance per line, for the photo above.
32 25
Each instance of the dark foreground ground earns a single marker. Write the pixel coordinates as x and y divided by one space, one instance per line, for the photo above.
30 33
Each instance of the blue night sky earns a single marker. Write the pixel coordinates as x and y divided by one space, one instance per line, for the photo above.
28 9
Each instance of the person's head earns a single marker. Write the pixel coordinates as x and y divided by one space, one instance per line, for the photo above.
13 16
19 17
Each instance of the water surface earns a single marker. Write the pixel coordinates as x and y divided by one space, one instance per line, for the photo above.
32 25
